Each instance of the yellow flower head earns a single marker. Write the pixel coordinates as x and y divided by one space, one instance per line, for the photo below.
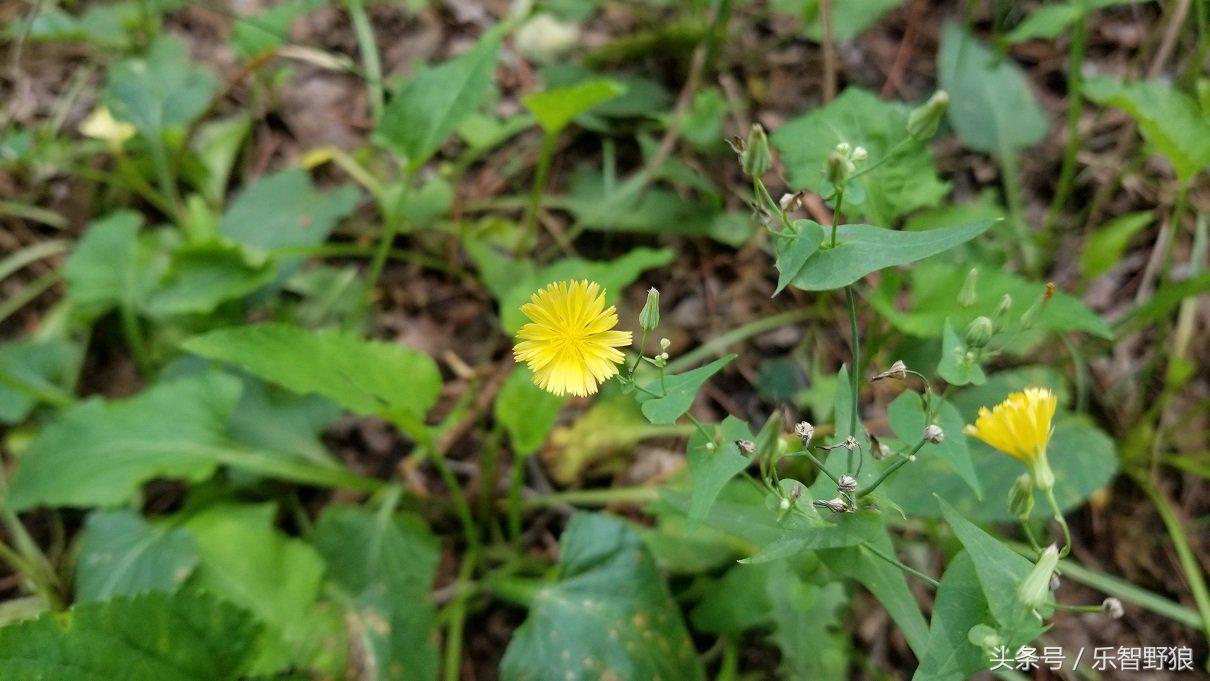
570 343
1020 427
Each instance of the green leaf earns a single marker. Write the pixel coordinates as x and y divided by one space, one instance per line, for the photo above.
863 249
610 614
31 371
1047 22
934 287
903 183
384 565
991 106
285 210
527 412
808 626
120 554
160 92
367 377
203 276
1104 247
957 366
420 117
906 416
278 421
217 145
711 469
810 535
277 578
612 275
150 637
266 30
97 453
1170 120
848 19
1001 571
737 602
837 460
556 108
106 269
958 606
794 249
677 392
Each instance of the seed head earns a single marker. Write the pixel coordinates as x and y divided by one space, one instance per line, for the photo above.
934 434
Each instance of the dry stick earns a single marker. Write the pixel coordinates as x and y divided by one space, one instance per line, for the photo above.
903 55
829 51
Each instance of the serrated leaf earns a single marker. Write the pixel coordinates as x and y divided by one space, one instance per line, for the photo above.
991 106
121 554
903 183
676 392
1170 120
527 412
556 108
957 366
958 606
610 614
161 91
151 637
906 416
418 119
367 377
863 249
97 453
793 249
384 565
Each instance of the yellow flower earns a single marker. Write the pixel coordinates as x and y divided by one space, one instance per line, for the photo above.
1020 427
101 125
570 344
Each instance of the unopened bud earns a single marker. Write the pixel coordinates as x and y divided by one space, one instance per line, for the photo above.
1021 497
805 431
924 120
898 371
784 504
756 159
859 154
649 316
1006 304
665 344
837 505
836 168
1036 586
985 638
1031 315
710 447
1113 607
968 295
934 434
979 332
791 202
746 446
848 484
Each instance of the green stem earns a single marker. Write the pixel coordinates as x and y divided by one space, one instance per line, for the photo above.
754 328
369 55
23 297
461 506
1016 210
515 590
1075 108
907 458
389 230
134 338
515 503
1079 608
854 372
700 428
597 497
53 395
836 212
1054 506
819 464
457 615
899 564
1194 574
546 155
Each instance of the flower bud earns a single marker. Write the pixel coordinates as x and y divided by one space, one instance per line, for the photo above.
924 120
1021 497
836 168
934 434
1006 304
665 344
649 316
898 371
979 332
985 638
859 154
1114 607
1036 586
1031 315
848 484
967 296
805 431
784 504
756 159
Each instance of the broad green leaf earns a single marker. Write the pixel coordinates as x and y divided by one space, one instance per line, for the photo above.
1047 22
97 453
420 117
612 275
903 183
703 123
958 366
835 532
527 412
1170 120
643 97
150 637
277 578
848 19
887 582
676 392
934 287
906 417
711 469
265 31
808 627
285 210
610 614
367 377
383 565
958 606
557 107
217 145
121 554
863 249
1001 571
737 602
991 106
201 277
793 249
107 268
160 92
278 421
32 371
1104 247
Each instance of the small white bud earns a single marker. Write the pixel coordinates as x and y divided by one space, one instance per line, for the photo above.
860 154
665 343
934 434
710 446
784 504
1113 607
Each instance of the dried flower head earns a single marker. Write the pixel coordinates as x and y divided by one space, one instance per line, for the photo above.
848 484
805 431
898 371
934 434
